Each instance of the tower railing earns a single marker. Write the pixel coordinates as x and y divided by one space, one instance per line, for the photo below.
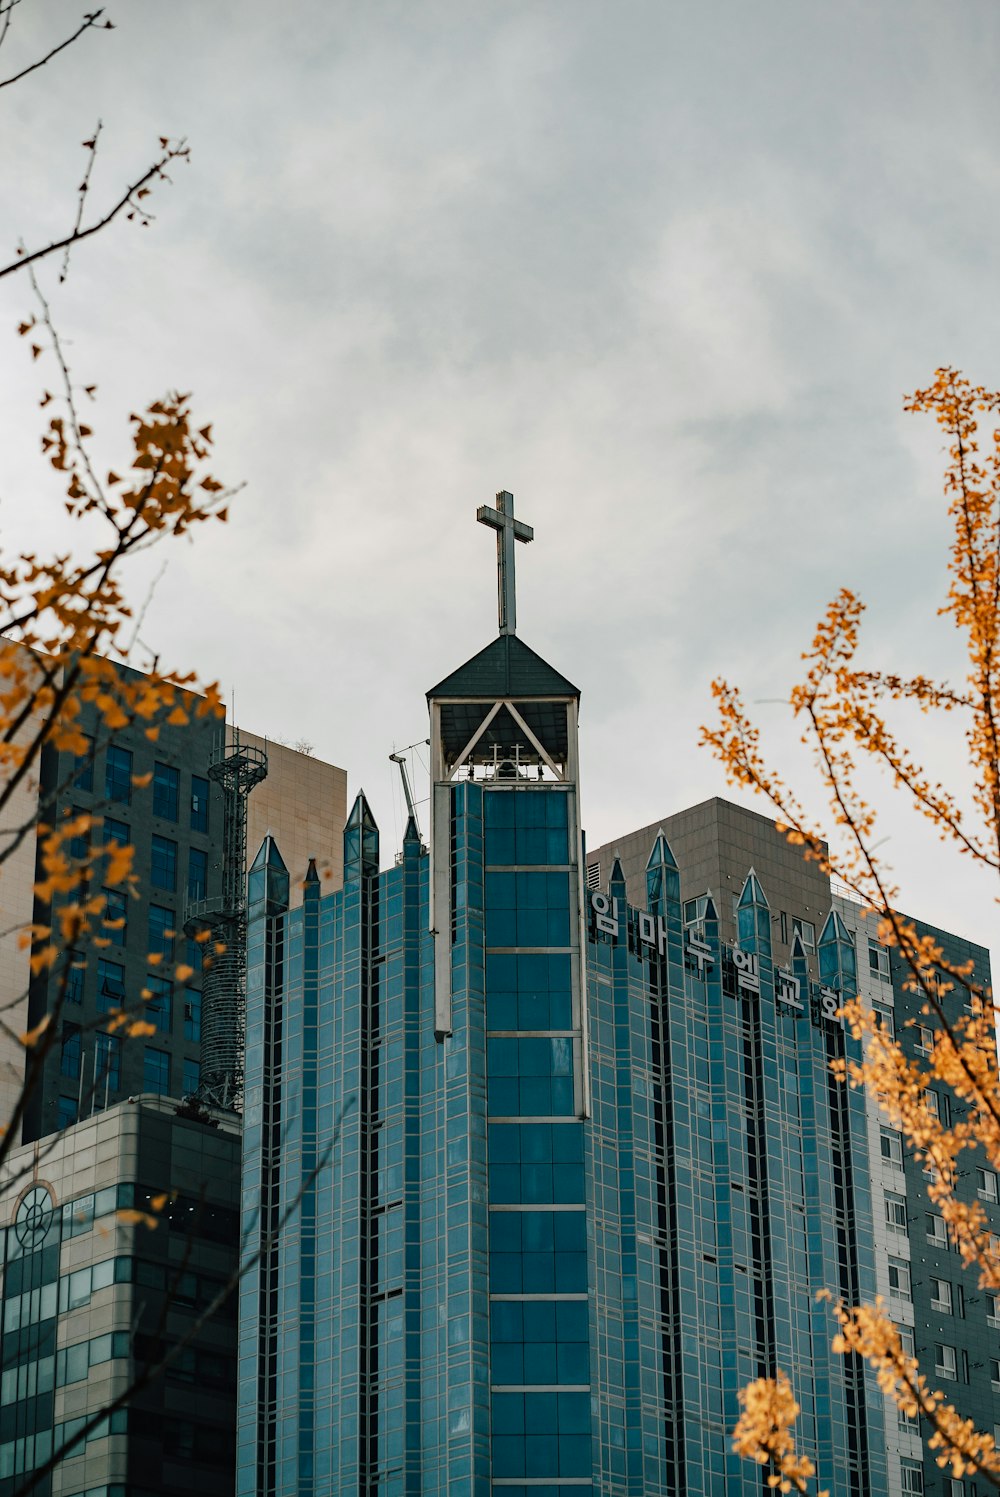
221 921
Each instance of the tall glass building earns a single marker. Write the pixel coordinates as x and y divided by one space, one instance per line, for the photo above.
588 1166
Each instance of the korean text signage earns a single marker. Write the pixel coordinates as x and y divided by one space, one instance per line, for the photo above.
650 930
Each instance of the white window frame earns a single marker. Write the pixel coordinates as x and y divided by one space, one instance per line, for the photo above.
943 1302
986 1186
945 1362
879 968
993 1313
901 1269
912 1478
697 920
806 932
938 1241
995 1374
895 1213
895 1141
925 1040
885 1018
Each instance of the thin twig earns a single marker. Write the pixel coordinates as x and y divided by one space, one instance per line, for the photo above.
88 21
91 146
129 199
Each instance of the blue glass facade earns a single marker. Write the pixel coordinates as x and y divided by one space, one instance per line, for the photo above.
588 1166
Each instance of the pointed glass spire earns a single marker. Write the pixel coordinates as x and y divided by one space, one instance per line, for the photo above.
752 892
838 966
753 917
616 883
412 833
312 877
360 842
797 958
267 884
663 881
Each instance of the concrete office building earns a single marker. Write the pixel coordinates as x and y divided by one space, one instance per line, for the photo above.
588 1165
168 799
88 1302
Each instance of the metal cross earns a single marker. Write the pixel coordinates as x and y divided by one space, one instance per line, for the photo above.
508 531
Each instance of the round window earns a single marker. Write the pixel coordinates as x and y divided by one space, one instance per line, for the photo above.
33 1216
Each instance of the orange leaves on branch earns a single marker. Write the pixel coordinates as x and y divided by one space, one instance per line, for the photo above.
763 1433
844 713
31 1036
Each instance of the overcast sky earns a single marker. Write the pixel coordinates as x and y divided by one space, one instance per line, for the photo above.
664 270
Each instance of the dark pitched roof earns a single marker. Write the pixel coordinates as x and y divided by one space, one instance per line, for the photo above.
506 668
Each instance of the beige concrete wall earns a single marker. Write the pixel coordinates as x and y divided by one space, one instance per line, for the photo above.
303 804
716 844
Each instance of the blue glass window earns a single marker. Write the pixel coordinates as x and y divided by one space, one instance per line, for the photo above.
528 990
161 930
118 774
83 777
110 985
155 1071
192 1014
79 846
77 967
538 1252
166 791
66 1112
525 826
530 1076
163 864
192 1076
108 1063
159 1008
115 831
69 1053
197 886
115 916
199 804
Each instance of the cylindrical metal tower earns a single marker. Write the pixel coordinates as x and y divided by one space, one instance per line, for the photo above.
237 768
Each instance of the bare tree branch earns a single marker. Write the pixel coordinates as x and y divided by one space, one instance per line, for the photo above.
89 21
130 199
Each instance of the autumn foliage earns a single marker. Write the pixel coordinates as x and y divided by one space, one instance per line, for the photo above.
843 709
66 622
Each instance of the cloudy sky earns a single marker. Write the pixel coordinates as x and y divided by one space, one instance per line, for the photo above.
664 270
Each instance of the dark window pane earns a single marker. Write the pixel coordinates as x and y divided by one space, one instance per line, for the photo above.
115 831
110 985
162 924
118 774
197 873
166 791
159 1008
192 1076
84 763
108 1065
69 1055
199 804
192 1014
156 1071
163 864
77 965
115 913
